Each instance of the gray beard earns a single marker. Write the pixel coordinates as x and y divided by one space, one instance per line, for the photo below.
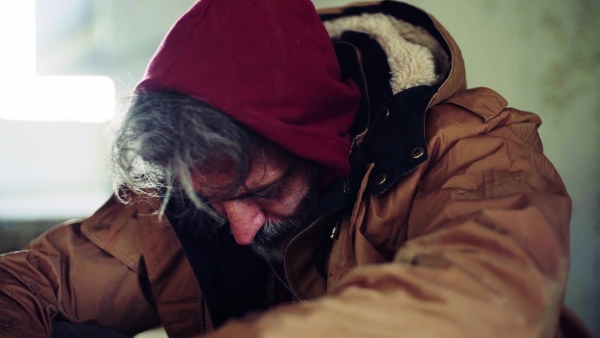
272 239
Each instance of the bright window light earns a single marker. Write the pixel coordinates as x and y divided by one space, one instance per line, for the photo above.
60 98
28 97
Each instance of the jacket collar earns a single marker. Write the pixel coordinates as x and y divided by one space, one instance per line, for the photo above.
390 124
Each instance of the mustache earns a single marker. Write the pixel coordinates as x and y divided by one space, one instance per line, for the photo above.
272 238
272 231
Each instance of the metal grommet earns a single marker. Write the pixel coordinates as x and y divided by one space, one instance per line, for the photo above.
385 112
417 152
380 179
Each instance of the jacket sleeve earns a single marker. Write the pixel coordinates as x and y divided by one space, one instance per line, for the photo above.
64 276
486 252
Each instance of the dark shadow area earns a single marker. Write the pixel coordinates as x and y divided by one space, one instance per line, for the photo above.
15 235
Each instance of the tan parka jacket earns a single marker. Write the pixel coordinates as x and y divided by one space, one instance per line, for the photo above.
470 239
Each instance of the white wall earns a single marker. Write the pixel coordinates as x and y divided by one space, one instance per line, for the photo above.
52 170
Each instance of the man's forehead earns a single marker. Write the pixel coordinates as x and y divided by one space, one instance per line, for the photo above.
220 179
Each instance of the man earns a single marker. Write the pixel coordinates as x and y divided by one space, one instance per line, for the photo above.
358 182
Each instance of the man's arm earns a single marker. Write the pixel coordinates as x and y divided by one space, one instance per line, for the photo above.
64 276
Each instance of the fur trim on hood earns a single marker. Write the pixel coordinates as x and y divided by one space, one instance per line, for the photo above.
414 56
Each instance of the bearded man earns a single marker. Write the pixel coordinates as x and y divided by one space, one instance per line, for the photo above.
273 183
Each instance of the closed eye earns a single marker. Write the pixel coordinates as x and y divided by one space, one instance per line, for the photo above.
272 193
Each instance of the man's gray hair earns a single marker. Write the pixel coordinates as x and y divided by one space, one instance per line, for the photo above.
165 135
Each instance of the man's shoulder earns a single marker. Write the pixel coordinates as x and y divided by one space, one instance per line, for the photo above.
472 112
482 101
124 228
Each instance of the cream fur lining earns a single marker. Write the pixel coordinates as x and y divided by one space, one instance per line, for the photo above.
414 56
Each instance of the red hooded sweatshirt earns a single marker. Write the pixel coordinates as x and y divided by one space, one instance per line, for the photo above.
268 64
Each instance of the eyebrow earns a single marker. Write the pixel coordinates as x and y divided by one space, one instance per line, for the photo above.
251 193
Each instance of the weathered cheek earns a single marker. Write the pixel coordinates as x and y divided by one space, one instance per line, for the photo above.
288 206
246 218
281 209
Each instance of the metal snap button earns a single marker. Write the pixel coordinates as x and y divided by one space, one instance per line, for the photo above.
5 322
380 179
417 152
385 112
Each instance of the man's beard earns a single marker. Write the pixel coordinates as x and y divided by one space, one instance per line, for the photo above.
271 240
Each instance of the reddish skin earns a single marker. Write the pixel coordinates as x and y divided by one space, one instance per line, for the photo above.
273 191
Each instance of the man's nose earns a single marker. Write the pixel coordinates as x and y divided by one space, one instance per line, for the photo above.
245 219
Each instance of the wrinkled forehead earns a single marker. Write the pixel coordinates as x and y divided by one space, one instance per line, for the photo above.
223 176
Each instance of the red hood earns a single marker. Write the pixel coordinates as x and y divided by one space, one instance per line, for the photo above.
268 64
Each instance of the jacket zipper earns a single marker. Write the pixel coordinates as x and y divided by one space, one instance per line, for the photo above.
202 315
284 283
